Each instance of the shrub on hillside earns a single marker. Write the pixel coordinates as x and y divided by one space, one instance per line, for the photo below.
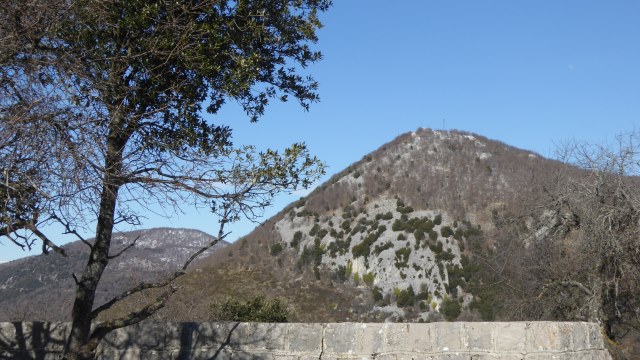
402 258
258 309
446 231
377 294
450 308
368 278
296 239
380 248
405 297
276 249
364 248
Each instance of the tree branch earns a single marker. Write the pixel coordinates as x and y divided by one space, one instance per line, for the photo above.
46 242
147 285
132 244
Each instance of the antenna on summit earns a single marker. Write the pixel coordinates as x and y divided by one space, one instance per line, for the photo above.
443 127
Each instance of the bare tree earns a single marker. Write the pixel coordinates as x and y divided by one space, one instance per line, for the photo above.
578 254
101 109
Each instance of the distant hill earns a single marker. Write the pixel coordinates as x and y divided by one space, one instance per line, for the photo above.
392 237
41 287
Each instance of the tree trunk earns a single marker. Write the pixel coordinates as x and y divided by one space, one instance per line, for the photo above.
78 345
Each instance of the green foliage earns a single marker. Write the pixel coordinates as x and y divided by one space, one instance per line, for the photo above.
356 278
297 236
127 90
456 278
318 251
404 210
314 230
380 248
339 247
341 274
437 220
397 225
402 258
303 213
446 231
305 257
433 235
450 308
368 278
258 309
402 237
364 248
276 249
358 228
405 297
322 233
436 248
377 294
445 255
313 254
486 301
423 224
472 231
346 225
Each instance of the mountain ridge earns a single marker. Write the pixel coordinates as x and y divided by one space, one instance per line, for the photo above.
466 179
27 283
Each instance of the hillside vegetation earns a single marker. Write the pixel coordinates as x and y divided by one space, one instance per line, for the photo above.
442 226
399 234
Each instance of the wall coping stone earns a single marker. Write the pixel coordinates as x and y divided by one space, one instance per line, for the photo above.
288 341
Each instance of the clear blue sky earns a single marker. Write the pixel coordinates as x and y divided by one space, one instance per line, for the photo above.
528 73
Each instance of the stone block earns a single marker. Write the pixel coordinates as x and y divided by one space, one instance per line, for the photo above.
417 339
150 335
258 336
304 338
510 337
478 337
549 336
580 337
339 339
391 338
371 338
447 337
596 337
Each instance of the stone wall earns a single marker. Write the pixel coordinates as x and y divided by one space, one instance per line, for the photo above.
457 340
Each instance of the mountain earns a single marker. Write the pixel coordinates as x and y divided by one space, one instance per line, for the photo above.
433 226
392 237
41 287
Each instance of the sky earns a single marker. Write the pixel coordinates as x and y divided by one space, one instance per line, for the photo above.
531 74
